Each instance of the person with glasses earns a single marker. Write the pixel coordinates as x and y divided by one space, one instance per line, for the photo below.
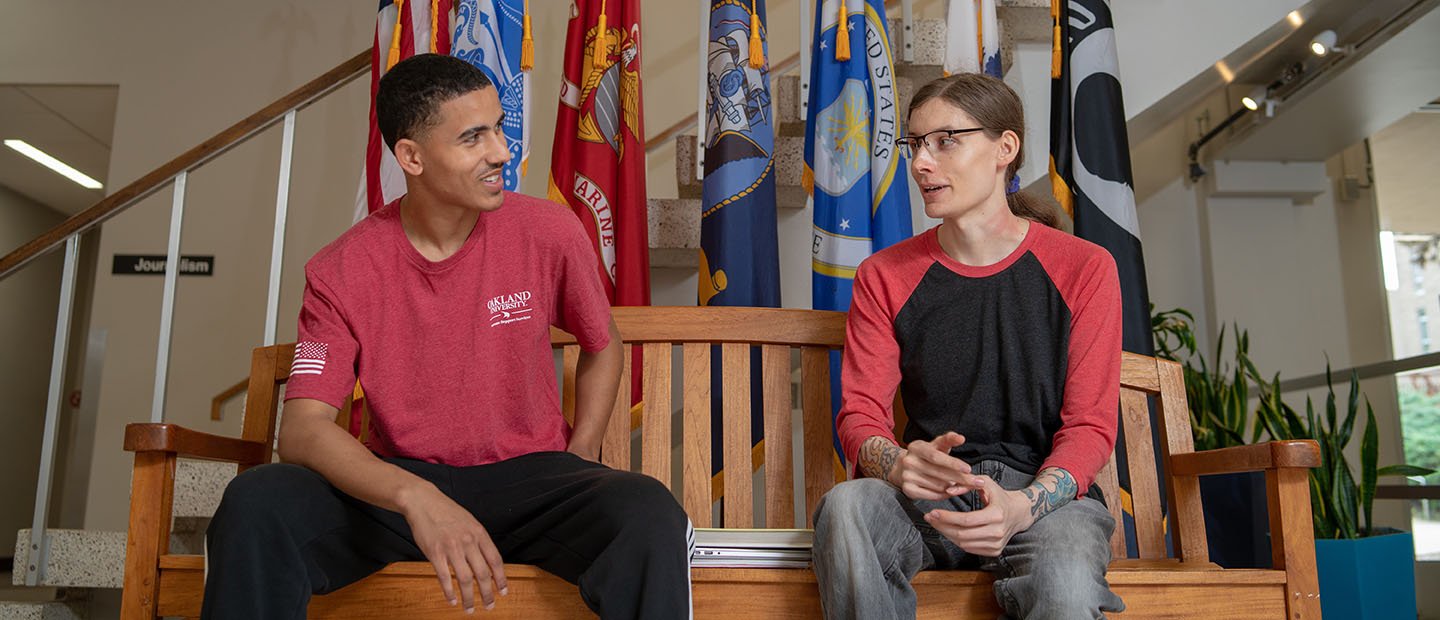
1002 335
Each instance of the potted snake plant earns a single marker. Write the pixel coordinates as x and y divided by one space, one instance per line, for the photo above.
1365 571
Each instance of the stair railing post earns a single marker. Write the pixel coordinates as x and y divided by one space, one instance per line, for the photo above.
907 29
807 11
39 539
277 244
167 303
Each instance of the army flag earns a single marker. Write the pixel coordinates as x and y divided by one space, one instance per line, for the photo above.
490 35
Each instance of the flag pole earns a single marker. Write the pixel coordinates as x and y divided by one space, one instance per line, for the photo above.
806 10
704 38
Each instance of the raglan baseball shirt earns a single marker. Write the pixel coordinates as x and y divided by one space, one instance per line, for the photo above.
1022 357
454 355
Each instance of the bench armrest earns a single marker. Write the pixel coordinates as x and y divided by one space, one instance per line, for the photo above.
194 444
1304 453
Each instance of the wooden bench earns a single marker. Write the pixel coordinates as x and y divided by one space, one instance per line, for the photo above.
1154 583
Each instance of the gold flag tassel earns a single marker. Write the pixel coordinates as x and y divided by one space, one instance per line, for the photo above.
395 38
842 34
434 25
757 47
527 43
1055 41
602 41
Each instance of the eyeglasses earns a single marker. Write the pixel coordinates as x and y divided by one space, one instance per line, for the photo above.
938 142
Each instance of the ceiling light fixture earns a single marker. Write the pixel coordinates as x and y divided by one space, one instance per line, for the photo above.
44 159
1257 98
1324 43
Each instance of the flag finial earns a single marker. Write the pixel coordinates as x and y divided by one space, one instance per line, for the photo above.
757 47
842 34
527 43
394 56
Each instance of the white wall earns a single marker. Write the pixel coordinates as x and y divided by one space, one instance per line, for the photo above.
27 327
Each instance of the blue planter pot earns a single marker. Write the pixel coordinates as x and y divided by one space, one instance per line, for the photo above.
1368 578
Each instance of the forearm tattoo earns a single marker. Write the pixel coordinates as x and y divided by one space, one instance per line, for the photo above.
1053 488
877 457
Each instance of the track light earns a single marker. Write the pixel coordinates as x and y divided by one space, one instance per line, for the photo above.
1324 43
1257 98
1253 100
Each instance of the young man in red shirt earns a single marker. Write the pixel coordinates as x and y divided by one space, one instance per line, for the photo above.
441 303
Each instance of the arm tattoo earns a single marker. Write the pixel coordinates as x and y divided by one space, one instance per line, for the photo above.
877 457
1053 488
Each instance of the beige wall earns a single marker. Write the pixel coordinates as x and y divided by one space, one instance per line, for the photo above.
27 328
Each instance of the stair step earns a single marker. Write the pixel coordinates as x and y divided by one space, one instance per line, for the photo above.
199 485
789 164
77 558
76 608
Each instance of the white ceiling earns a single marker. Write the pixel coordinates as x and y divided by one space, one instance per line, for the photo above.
1354 101
72 123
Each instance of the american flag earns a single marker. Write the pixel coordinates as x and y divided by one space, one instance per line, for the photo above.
309 358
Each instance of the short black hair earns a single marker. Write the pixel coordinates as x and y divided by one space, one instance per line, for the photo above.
412 91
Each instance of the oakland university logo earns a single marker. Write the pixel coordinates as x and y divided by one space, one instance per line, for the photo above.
512 308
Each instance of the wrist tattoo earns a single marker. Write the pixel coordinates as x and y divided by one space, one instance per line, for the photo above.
877 457
1053 488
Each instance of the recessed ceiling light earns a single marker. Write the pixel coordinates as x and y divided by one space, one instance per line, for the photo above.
58 166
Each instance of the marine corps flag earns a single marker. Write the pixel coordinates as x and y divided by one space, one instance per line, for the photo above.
598 164
1090 152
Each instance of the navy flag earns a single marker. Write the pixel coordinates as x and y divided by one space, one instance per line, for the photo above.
739 248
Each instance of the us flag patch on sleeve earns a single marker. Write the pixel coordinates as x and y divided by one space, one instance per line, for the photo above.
309 358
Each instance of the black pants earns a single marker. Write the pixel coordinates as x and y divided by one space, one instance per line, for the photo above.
283 532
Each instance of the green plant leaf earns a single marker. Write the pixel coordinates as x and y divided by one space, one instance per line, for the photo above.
1352 409
1369 449
1342 495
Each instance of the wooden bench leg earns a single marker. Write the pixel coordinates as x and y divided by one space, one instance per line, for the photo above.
1292 540
151 493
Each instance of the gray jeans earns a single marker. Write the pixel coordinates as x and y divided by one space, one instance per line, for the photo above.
871 540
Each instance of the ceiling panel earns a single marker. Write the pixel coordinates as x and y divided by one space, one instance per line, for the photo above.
74 124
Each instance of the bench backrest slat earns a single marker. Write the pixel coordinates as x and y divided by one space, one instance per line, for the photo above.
615 447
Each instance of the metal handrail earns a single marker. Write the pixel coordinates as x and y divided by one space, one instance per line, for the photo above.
1366 371
156 179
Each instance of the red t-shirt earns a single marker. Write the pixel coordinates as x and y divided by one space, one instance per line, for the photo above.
1022 357
454 356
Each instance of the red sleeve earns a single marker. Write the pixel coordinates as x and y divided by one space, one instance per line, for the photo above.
1090 411
325 351
581 307
870 371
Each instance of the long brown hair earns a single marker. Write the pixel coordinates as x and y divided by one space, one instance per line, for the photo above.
997 108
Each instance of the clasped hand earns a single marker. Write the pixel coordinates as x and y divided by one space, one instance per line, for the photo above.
927 471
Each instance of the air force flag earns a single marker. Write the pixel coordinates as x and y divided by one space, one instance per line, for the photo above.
853 171
487 35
